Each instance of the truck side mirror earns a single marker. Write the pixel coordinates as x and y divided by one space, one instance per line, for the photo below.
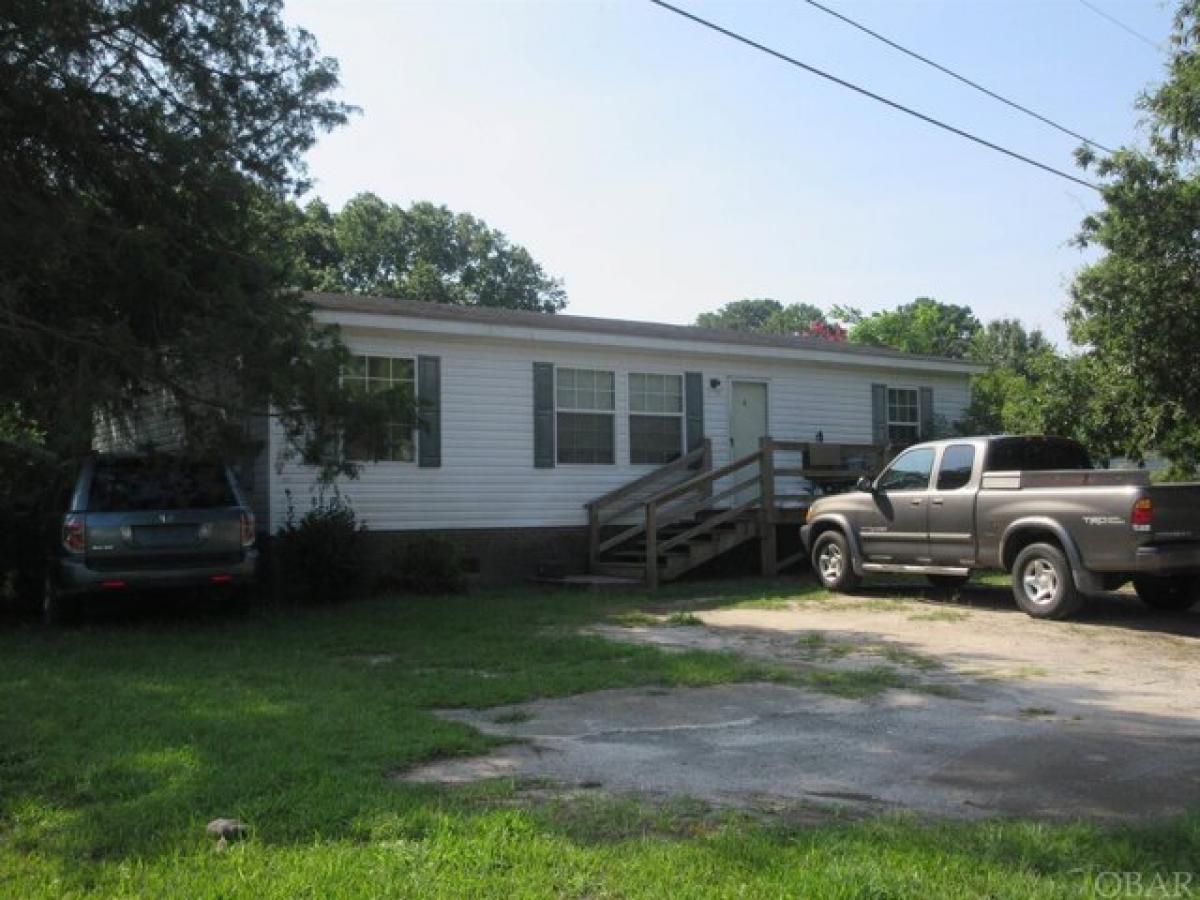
865 484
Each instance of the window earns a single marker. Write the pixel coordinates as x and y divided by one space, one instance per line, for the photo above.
394 441
152 483
655 418
909 472
955 470
584 416
1035 454
903 415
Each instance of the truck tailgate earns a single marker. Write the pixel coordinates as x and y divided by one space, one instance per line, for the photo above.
1176 511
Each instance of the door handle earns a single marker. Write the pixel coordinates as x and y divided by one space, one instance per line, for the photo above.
937 501
914 502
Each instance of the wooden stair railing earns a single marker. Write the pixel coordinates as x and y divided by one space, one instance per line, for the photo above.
659 512
609 509
753 505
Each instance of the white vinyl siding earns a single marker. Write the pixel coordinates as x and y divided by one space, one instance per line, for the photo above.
655 418
487 478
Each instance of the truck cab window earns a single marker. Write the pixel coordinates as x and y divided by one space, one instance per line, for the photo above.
955 470
909 472
1035 454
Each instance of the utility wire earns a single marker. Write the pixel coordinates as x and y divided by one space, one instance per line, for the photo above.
1137 34
962 78
733 35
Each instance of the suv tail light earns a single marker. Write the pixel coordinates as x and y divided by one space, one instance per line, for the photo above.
1142 516
73 533
247 529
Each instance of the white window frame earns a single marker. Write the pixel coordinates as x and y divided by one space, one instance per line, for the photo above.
366 378
611 413
915 424
681 415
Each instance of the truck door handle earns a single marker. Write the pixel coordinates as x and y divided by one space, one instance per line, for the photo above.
914 502
937 501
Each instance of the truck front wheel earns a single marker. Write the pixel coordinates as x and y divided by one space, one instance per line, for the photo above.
1042 583
832 563
1169 593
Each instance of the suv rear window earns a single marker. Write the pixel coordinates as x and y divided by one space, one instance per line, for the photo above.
1035 454
124 485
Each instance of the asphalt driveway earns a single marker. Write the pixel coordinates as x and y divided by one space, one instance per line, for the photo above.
957 708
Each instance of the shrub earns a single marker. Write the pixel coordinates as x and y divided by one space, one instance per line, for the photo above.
429 565
323 555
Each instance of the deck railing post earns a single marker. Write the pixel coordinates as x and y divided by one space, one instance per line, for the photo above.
593 536
652 545
706 464
766 473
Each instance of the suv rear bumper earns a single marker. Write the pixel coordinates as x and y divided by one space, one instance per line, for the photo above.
1168 559
74 577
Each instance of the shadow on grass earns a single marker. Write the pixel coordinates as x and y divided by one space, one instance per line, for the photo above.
124 735
120 739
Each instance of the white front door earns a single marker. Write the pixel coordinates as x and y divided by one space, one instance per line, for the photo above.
748 418
747 423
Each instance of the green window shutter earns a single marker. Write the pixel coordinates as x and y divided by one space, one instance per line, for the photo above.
693 400
926 413
429 402
879 429
543 415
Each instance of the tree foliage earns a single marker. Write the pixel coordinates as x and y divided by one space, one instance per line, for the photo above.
146 151
1137 308
1006 343
424 252
764 314
925 326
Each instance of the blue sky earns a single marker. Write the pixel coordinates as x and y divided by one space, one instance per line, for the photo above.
661 170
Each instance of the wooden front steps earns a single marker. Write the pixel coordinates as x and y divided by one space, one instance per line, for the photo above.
630 560
686 513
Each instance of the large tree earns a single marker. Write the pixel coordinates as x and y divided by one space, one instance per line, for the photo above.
764 314
423 252
923 326
1007 343
147 149
1137 308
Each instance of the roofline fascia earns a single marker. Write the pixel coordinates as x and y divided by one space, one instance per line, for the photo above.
394 323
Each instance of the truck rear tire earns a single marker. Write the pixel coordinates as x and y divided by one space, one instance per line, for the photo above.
832 563
1042 583
1167 593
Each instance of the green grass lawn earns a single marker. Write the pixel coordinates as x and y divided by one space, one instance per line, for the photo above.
120 740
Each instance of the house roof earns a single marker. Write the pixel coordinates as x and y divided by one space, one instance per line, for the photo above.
494 316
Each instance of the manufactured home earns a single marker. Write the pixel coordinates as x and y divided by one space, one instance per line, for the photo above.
566 443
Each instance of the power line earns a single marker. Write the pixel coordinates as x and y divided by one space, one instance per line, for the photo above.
876 97
1137 34
956 76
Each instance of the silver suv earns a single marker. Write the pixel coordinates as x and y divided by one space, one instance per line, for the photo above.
137 522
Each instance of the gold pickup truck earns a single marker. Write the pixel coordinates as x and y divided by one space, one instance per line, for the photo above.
1031 505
